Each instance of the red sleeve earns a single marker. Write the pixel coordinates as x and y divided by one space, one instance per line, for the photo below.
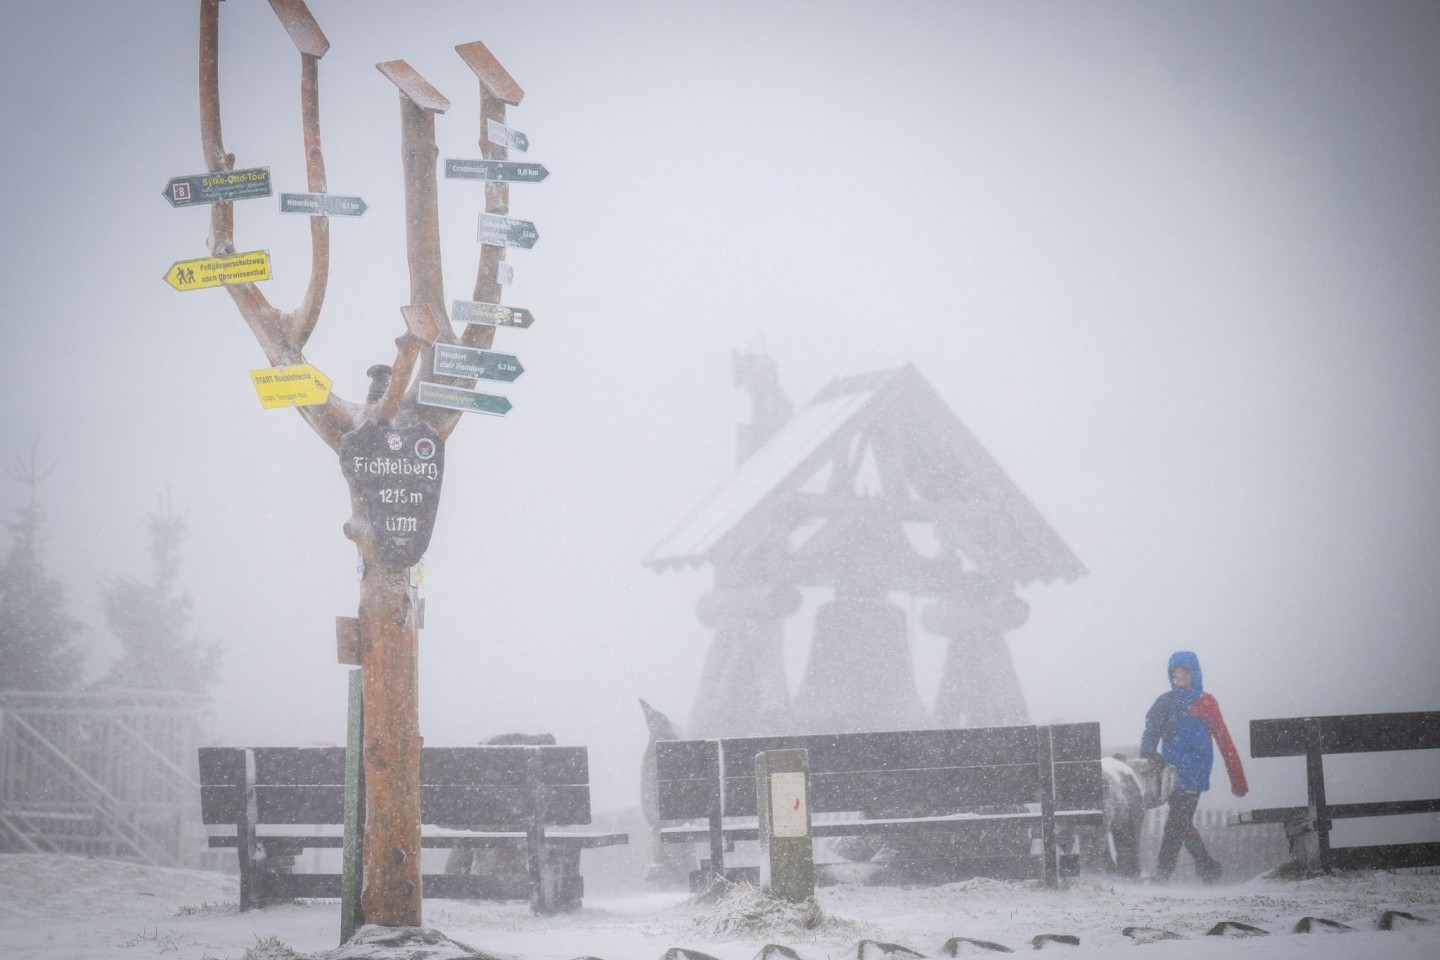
1207 708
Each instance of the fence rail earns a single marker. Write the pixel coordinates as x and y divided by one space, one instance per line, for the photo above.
102 773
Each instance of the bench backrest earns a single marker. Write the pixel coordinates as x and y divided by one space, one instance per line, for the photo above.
495 787
1359 733
916 773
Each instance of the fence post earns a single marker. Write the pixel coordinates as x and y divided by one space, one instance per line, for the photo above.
787 855
350 879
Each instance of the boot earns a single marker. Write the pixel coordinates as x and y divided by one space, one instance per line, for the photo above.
1209 870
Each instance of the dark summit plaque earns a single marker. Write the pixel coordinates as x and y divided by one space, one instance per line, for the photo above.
396 472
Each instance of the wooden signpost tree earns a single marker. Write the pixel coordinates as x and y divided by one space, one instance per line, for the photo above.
391 446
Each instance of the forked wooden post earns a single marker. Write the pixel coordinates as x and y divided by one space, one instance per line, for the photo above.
374 437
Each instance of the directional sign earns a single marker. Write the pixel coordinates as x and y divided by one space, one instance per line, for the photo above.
495 314
396 472
298 386
508 170
501 135
322 204
454 398
219 271
507 232
457 361
220 187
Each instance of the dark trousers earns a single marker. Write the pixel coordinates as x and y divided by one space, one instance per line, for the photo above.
1180 831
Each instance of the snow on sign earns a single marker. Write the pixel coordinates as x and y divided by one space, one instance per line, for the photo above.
789 816
507 231
396 473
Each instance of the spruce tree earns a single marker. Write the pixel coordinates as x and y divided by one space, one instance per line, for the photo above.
39 649
158 648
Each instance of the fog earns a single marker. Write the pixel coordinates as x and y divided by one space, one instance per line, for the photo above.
1177 266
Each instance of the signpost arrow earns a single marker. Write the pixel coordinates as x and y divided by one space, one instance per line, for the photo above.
502 136
220 187
297 386
219 271
494 314
322 204
457 361
454 398
507 231
508 170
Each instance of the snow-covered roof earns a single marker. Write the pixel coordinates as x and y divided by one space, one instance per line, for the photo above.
947 475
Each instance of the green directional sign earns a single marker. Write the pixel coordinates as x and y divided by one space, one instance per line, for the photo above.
455 398
220 187
495 314
507 231
322 204
501 135
457 361
508 170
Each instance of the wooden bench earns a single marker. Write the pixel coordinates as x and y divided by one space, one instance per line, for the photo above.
999 787
471 798
1308 827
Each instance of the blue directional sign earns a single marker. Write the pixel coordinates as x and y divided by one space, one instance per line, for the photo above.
507 232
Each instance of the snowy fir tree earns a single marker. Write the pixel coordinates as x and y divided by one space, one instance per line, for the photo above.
158 648
39 649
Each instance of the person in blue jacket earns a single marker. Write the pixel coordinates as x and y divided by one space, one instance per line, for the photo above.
1181 723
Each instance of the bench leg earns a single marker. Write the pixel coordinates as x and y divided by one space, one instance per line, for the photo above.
542 896
1316 842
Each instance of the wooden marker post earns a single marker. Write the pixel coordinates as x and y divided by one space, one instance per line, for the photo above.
787 855
391 447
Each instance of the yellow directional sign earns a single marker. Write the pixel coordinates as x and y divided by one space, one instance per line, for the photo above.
219 271
298 386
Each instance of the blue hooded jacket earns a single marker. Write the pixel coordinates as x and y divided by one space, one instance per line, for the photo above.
1183 738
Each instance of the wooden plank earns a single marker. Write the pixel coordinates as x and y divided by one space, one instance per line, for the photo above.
1079 785
903 792
474 765
221 804
1385 856
491 74
687 799
562 765
1357 733
304 32
222 765
300 803
1076 742
890 750
414 87
299 765
482 806
687 759
1338 811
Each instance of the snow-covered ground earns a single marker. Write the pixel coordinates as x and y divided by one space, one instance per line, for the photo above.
72 908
